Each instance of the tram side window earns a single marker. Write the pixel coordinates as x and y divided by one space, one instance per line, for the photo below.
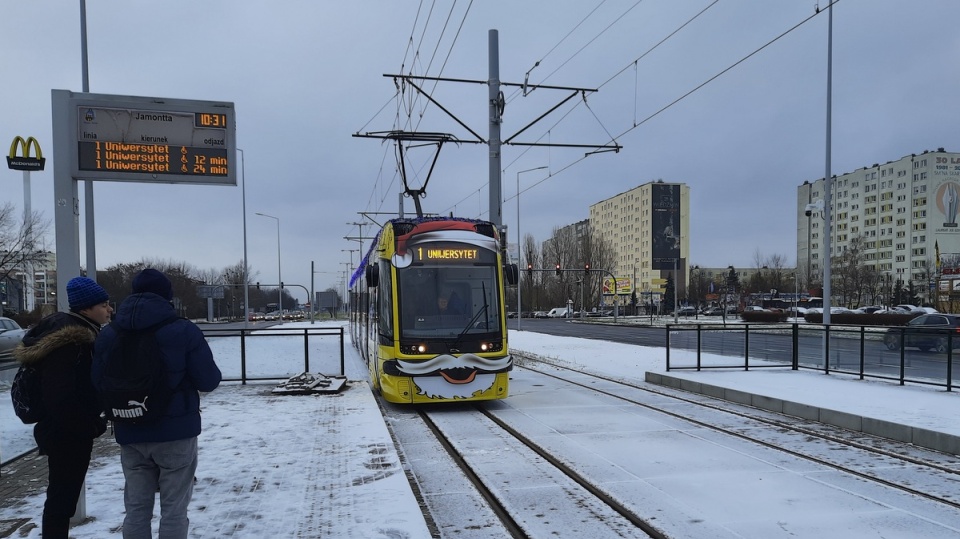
385 301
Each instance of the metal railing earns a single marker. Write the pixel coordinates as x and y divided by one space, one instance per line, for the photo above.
242 355
899 354
275 353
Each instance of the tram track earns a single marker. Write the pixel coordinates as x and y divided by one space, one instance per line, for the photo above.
826 445
597 512
617 457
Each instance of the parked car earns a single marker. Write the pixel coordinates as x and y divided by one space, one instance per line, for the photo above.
713 311
10 336
795 312
557 312
686 311
926 332
540 314
833 310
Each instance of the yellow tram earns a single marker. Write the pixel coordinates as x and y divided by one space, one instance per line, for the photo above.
433 315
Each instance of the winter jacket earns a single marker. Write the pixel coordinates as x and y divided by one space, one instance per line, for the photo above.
188 360
61 345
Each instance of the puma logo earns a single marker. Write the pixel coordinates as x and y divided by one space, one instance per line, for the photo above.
139 404
138 409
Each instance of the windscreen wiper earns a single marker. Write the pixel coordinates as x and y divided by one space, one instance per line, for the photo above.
483 311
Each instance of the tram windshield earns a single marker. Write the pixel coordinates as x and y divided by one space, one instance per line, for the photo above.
448 301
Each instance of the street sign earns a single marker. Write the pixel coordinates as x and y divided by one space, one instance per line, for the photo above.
210 291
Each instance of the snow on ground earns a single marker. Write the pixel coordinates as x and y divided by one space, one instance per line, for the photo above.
322 465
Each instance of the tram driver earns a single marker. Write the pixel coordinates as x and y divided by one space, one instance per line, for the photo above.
450 304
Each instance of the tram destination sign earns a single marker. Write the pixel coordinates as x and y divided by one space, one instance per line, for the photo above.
451 253
144 139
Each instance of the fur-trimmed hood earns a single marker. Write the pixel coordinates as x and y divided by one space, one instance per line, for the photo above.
52 333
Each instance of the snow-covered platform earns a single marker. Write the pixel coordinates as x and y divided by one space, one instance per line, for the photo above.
923 416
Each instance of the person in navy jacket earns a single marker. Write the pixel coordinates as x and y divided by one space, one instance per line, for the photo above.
161 455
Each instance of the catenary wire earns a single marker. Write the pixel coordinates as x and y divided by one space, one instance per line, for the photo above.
564 38
690 92
596 37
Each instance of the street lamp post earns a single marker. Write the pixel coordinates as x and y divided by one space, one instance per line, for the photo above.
279 275
346 289
520 246
697 289
676 285
246 278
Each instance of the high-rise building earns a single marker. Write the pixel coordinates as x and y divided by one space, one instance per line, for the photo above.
902 210
648 228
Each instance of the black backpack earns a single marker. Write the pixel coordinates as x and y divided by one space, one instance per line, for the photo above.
133 387
27 395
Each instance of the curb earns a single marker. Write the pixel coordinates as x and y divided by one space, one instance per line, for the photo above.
930 439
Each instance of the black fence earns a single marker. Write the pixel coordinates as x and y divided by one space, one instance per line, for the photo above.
243 355
276 353
900 354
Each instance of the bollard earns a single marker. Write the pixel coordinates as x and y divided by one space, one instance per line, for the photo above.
81 513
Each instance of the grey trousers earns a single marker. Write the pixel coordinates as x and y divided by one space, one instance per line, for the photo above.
147 467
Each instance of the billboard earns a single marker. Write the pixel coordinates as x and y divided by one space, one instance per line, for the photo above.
624 285
665 225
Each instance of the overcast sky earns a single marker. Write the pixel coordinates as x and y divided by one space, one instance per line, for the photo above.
306 75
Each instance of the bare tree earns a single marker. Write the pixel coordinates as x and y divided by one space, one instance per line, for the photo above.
561 249
770 273
854 280
21 240
596 251
776 266
756 281
530 281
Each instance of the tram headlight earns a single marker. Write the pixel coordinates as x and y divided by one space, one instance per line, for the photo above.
417 348
494 346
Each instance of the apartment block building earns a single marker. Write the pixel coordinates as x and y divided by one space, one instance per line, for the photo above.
21 294
903 210
648 228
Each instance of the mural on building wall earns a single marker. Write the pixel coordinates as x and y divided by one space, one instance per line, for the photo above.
948 201
665 225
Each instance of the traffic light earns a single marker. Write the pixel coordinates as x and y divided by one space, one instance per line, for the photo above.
586 268
529 270
258 285
558 270
281 285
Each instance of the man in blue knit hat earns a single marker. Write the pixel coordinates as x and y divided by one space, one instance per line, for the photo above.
61 346
160 455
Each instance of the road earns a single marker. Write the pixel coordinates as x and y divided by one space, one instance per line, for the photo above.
773 345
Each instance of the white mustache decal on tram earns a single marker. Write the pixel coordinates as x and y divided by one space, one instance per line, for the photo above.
447 361
448 386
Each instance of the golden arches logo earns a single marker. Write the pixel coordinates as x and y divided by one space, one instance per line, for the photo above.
24 161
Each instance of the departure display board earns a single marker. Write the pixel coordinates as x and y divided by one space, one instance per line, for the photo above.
153 139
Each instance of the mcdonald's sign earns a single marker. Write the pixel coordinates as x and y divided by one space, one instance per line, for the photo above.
25 162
